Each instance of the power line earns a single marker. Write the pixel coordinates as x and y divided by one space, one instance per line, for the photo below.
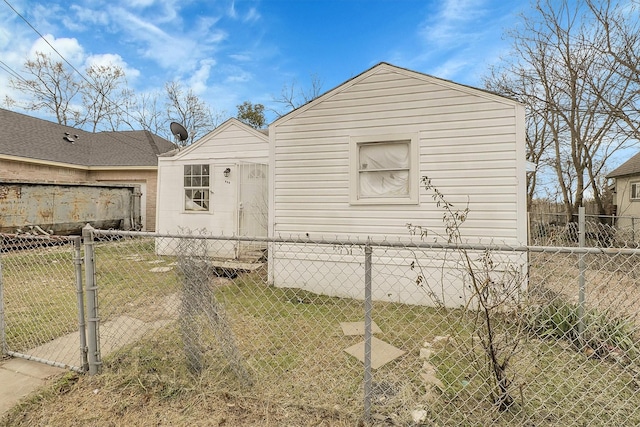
6 67
50 45
76 71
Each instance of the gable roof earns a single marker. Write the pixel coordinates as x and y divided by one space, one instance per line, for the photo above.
32 138
384 66
262 134
630 167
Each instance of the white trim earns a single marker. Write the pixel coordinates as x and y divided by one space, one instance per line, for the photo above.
634 184
414 172
208 187
18 159
522 231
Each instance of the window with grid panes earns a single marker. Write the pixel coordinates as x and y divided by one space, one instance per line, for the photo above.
196 187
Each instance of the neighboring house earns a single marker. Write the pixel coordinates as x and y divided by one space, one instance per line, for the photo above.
626 198
348 165
38 151
218 185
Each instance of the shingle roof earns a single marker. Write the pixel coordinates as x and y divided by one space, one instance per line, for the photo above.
34 138
630 167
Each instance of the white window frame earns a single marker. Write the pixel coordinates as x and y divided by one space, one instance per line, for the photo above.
412 197
635 191
203 188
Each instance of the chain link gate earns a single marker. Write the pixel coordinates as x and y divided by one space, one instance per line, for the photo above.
41 300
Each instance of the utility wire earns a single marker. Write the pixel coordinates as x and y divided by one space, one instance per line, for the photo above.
13 73
78 72
50 45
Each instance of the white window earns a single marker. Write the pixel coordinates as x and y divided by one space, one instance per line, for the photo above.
196 187
635 190
384 169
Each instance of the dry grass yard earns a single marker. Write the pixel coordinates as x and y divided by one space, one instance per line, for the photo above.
292 345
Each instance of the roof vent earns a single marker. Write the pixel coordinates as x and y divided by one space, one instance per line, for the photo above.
68 138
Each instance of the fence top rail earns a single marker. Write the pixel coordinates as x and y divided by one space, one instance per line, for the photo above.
409 243
413 244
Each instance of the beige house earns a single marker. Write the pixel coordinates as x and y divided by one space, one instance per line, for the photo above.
626 198
36 150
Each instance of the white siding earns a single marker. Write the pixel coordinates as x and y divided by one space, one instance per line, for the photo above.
468 147
226 147
471 146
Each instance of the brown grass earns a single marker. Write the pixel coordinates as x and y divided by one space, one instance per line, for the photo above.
292 344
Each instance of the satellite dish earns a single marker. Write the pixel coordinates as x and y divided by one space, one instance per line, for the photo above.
178 131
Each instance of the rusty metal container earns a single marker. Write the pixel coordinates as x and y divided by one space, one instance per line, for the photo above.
64 208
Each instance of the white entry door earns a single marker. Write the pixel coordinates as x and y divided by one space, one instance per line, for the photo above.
253 206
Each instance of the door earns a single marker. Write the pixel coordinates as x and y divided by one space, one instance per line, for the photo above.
253 208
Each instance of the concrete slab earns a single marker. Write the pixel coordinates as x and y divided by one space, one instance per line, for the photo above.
381 352
19 377
357 328
64 350
31 368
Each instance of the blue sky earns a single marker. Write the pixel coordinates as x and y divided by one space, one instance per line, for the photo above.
229 51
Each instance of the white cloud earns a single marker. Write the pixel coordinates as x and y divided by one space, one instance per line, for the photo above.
67 48
198 81
162 47
461 38
141 3
113 59
84 18
232 10
239 76
454 23
252 15
241 57
449 69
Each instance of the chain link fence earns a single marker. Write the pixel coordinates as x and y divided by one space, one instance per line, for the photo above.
399 333
557 229
41 311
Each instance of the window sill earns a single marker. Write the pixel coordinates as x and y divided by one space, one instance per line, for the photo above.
369 202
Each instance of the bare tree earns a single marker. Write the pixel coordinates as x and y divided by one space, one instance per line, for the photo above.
539 123
95 101
573 88
189 110
51 87
148 115
292 96
102 100
621 25
104 97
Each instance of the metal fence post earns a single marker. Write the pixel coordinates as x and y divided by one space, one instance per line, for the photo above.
581 268
93 347
367 332
77 261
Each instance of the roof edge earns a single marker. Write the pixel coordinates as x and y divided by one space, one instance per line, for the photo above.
394 68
